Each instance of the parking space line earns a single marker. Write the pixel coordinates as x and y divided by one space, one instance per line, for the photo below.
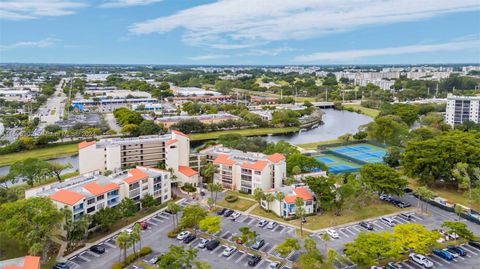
355 228
407 265
416 217
82 258
240 258
378 226
150 222
253 219
110 245
233 254
434 259
259 263
270 251
383 225
94 254
399 219
350 231
340 231
469 249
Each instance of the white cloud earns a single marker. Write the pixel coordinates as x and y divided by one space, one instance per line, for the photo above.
44 43
127 3
208 57
252 21
357 54
31 9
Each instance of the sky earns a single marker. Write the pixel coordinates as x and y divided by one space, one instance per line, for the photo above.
240 32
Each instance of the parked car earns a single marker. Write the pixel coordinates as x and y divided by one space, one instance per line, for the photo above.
271 225
407 190
235 215
403 204
128 230
183 235
97 249
228 251
388 221
258 244
228 213
421 260
366 225
61 265
454 254
189 238
393 265
273 265
407 215
376 267
203 243
143 224
385 197
253 260
475 244
262 223
212 244
454 249
443 254
153 260
332 233
221 211
452 236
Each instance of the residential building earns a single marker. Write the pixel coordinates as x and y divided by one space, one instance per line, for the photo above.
246 171
286 208
462 108
88 193
27 262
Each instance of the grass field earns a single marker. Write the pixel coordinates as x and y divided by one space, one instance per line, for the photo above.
239 205
314 145
43 153
364 110
329 219
244 132
258 93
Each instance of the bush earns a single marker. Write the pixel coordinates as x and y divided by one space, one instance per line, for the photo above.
173 233
188 187
231 198
132 257
117 266
145 251
243 192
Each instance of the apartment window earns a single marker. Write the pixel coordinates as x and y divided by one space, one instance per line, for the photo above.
100 197
90 209
91 201
258 172
165 197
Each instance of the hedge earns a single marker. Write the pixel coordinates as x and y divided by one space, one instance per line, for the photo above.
132 257
231 198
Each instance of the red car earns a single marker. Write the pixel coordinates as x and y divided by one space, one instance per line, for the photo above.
143 224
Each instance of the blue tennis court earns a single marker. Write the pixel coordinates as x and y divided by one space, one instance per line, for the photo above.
336 164
365 153
325 160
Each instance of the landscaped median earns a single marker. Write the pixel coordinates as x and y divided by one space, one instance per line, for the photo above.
239 205
243 132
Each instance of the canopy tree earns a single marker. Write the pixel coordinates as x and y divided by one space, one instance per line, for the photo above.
383 179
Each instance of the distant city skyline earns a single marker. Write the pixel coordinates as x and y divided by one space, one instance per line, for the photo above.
240 32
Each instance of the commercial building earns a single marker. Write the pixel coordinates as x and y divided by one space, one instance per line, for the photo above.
462 108
108 105
88 193
173 150
246 171
286 208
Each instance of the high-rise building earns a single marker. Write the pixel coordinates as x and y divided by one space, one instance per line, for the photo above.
462 108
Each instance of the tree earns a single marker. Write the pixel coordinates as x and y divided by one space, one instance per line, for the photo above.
280 196
311 258
178 257
208 171
287 246
408 113
382 178
192 215
123 242
247 236
106 217
210 224
174 208
326 238
75 230
148 201
296 170
32 169
32 222
131 129
423 194
135 235
306 163
415 237
392 158
368 248
459 228
258 194
56 169
210 202
389 130
269 198
360 135
281 147
214 189
323 188
346 137
127 207
300 211
149 127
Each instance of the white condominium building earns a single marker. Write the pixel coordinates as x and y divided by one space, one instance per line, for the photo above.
286 208
462 108
246 171
88 193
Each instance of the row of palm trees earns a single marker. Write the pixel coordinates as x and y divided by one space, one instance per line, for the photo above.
125 240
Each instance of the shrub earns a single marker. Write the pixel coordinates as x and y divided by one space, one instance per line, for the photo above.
117 266
243 192
145 251
188 187
173 233
132 257
231 198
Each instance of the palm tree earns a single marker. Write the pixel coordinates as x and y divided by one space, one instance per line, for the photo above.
330 258
208 171
135 235
123 242
258 195
325 237
174 208
424 194
269 198
300 211
280 196
217 188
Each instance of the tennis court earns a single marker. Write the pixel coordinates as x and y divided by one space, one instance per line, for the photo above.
337 165
363 152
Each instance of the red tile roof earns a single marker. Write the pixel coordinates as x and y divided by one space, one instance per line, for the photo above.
276 157
97 189
135 175
290 199
187 171
171 141
30 262
179 133
258 165
85 144
303 193
223 159
67 197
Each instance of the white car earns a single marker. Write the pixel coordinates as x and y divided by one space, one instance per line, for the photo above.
235 215
422 260
389 221
183 235
271 225
332 233
273 265
203 243
262 223
228 251
128 231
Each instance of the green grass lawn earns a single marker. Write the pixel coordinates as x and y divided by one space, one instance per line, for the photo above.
258 93
42 153
239 205
236 193
314 145
364 110
9 248
243 132
329 219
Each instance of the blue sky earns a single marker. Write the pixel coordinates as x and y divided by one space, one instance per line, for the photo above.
240 31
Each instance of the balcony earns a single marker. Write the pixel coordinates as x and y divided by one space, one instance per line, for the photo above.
134 193
113 202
